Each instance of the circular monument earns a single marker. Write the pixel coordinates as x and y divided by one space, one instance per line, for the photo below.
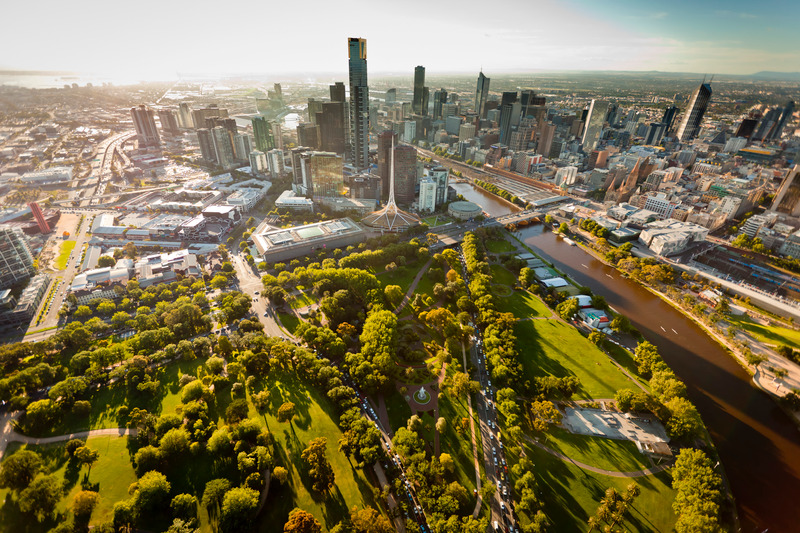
422 396
464 210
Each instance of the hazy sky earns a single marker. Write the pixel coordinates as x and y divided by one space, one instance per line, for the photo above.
157 39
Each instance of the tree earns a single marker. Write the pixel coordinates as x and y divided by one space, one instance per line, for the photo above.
597 337
83 311
394 294
41 496
181 526
368 520
147 458
238 509
219 282
620 324
86 456
184 506
684 420
83 503
152 491
280 474
236 411
568 308
174 443
319 469
301 522
441 424
286 412
214 493
563 228
698 492
543 414
18 470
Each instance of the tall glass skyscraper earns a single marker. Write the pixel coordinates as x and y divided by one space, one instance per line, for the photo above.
482 95
262 131
419 90
359 102
595 118
690 123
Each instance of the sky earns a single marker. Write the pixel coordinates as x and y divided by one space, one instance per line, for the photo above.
160 39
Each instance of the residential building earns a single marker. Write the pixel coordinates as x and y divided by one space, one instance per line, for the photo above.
223 146
787 200
144 120
359 102
169 122
262 131
427 196
466 132
275 162
242 145
258 162
405 174
206 141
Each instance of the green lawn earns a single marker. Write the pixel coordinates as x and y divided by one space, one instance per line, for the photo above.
767 334
63 254
112 473
403 277
523 304
398 410
302 300
459 447
436 220
608 454
315 418
503 276
499 246
551 347
625 359
571 495
289 321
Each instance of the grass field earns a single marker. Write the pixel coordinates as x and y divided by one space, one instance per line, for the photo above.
459 448
289 321
436 220
766 334
608 454
403 277
315 418
551 347
397 409
112 474
302 300
63 254
571 495
523 304
499 246
502 276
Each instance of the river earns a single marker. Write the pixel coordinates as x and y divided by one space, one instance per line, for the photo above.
490 203
757 442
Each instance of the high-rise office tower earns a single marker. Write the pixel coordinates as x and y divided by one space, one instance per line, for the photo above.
325 172
359 102
595 118
386 139
419 88
308 135
16 259
314 107
338 93
207 150
507 115
242 145
669 117
200 116
655 133
530 102
547 132
262 131
277 135
275 163
693 117
331 123
785 116
482 95
38 216
439 99
144 120
223 122
746 128
787 200
767 125
405 173
391 96
169 122
223 145
185 115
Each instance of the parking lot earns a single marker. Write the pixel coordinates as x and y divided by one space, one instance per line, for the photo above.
614 425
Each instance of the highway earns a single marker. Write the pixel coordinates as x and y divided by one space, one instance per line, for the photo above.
250 284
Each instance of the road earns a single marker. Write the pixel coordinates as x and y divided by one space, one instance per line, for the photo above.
250 284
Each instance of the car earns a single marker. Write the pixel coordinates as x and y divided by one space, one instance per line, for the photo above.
256 293
266 314
503 506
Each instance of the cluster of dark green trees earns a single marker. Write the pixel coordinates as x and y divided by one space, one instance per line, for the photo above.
502 193
594 228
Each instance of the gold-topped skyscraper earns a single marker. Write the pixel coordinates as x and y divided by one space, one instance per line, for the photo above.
359 102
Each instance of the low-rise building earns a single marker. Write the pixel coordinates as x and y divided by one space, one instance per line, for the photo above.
282 244
290 200
667 237
48 176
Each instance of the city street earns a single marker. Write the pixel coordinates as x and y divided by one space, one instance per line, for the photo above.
250 284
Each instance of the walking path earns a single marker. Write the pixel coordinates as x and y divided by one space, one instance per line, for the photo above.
413 287
8 434
611 473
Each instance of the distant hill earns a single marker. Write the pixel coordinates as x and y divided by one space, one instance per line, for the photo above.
772 75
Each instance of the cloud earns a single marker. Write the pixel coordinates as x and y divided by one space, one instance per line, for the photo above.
735 14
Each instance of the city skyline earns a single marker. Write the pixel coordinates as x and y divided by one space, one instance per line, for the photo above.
713 37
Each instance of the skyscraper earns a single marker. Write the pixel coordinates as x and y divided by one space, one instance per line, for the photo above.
277 135
419 89
506 115
223 145
242 145
207 150
308 135
338 92
698 103
169 121
595 119
787 200
785 116
185 115
767 125
262 131
482 95
200 116
439 99
16 259
331 124
314 107
386 139
359 102
669 117
391 96
145 123
405 173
